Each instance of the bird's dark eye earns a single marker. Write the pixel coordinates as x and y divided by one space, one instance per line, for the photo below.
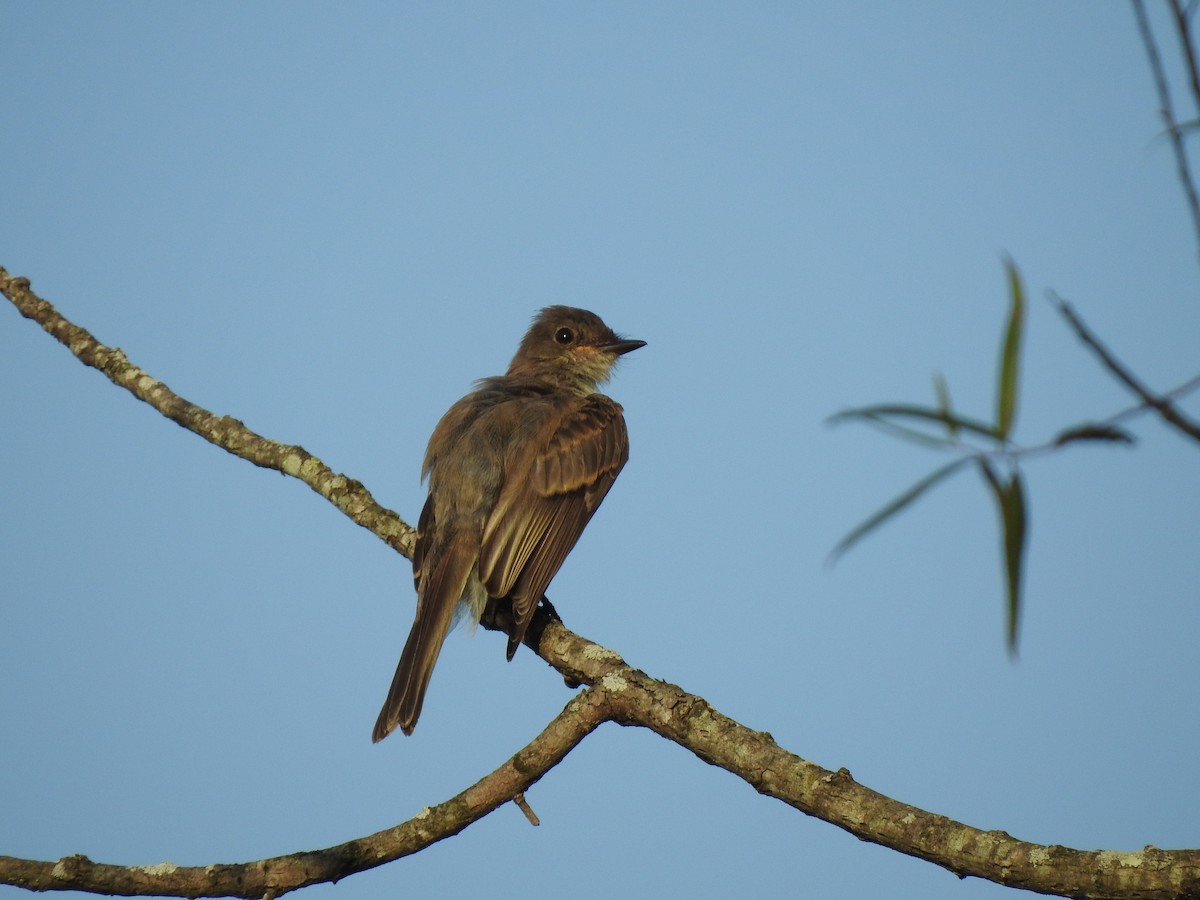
564 336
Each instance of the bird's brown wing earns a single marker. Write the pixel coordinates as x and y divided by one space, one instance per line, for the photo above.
546 500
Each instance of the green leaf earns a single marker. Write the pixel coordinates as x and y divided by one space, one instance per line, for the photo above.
1109 433
902 410
1010 354
909 434
942 392
1010 501
899 503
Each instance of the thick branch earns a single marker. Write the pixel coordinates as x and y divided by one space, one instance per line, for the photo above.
618 692
227 433
835 797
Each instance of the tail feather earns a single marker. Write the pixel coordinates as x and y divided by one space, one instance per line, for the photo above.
435 613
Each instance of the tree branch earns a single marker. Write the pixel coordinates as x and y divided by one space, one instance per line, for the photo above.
1189 52
616 692
1163 406
1166 112
630 697
227 433
835 797
279 875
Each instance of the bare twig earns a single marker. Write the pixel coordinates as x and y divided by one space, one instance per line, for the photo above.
1174 394
1183 30
523 805
1163 406
1168 116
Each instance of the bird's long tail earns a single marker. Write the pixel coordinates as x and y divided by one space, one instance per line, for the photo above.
435 613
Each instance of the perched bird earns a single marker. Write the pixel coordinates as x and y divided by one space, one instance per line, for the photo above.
516 469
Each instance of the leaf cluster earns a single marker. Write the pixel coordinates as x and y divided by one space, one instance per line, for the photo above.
988 447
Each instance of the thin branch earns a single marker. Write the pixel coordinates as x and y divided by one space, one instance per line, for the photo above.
1159 403
616 692
1174 394
280 875
1183 30
227 433
1129 412
630 697
1168 116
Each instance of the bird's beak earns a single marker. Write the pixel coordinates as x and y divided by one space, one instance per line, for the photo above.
621 347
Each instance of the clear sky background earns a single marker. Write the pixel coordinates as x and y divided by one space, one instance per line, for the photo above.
328 222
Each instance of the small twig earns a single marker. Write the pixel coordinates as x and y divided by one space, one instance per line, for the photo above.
1174 394
1157 402
1129 412
1189 52
1168 116
523 805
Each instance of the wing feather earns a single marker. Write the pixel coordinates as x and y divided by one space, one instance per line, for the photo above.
547 498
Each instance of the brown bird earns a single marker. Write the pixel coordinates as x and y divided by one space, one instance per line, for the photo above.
516 469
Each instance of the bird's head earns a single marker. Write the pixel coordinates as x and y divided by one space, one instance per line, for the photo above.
571 348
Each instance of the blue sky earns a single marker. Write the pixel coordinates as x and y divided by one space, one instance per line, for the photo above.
327 223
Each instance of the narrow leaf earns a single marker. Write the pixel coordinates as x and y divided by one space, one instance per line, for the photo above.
902 410
899 503
909 434
1109 433
1016 530
1010 354
1010 502
942 392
